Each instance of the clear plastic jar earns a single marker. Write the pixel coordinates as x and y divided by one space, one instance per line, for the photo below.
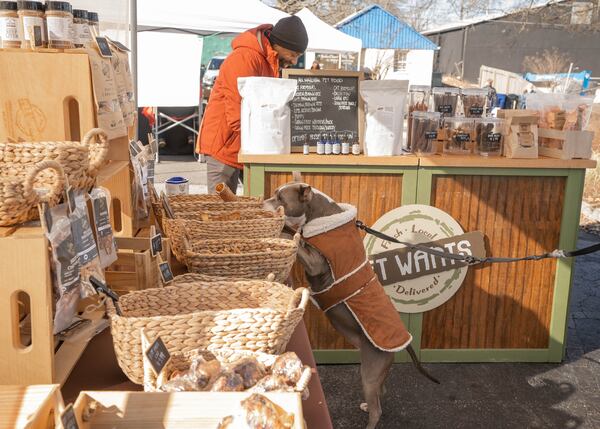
445 101
82 35
473 100
31 15
489 136
59 20
94 23
418 101
10 29
458 135
424 132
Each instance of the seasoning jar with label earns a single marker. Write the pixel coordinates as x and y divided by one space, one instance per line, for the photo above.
345 145
10 29
59 20
355 144
31 17
82 35
489 136
458 136
94 23
321 145
306 146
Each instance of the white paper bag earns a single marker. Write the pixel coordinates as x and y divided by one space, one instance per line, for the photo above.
385 101
265 115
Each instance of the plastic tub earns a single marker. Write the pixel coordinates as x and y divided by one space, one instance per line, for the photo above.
489 136
424 132
177 186
474 100
445 101
458 135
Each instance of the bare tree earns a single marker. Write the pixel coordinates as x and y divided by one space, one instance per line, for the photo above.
549 61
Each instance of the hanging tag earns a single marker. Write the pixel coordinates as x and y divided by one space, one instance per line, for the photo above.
155 242
134 149
165 271
68 419
103 47
157 354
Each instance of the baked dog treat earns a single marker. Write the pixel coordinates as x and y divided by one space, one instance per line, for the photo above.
258 412
228 382
272 383
289 366
250 370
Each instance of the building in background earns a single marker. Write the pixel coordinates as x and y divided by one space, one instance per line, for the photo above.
392 49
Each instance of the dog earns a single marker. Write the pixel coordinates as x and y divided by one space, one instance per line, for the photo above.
325 259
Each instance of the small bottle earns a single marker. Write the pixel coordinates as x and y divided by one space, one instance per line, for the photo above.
355 147
345 145
328 144
337 146
306 146
321 145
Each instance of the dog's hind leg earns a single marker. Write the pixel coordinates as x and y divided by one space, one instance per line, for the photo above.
374 367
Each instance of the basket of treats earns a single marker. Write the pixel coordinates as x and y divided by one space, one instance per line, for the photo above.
254 315
215 225
18 196
80 161
245 258
227 370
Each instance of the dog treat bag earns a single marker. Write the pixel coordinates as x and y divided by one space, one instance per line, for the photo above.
66 279
107 251
385 100
265 115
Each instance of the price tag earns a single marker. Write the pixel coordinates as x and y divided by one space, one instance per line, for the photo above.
476 110
103 47
462 137
121 47
155 242
446 108
68 419
134 149
158 355
165 272
493 137
431 135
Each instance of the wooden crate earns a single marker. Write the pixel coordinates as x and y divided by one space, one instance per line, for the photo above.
576 144
117 178
30 407
198 410
136 269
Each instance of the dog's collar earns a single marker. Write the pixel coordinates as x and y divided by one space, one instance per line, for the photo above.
327 223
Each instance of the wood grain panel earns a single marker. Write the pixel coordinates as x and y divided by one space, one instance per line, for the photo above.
373 195
500 305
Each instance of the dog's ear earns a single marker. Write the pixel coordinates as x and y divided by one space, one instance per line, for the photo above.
296 176
306 193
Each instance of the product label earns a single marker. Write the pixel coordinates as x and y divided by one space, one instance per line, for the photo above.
462 137
33 21
84 239
82 34
68 273
476 110
158 355
9 29
445 108
59 28
493 137
102 218
431 135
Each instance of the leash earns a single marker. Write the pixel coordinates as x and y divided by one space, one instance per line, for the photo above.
472 260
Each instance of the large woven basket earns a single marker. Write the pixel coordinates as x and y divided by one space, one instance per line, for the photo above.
185 205
182 361
216 225
250 258
252 315
18 198
80 161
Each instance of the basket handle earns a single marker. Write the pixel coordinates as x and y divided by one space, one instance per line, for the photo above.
301 295
59 184
304 379
271 277
98 155
297 238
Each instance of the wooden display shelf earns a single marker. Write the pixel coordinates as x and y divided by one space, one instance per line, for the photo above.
332 160
26 291
31 407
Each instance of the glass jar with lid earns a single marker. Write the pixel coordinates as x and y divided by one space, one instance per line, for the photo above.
59 21
94 23
31 15
82 35
10 29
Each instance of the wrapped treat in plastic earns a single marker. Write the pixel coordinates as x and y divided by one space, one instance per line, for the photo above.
202 373
250 370
228 382
289 366
272 383
258 412
107 251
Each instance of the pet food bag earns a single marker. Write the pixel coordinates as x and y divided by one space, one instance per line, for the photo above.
265 115
385 101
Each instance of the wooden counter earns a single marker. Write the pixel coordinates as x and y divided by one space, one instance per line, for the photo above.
502 312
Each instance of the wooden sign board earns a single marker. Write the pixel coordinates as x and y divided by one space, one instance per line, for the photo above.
326 101
158 355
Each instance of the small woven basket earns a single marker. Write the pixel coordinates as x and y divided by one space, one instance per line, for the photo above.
182 361
249 258
186 205
18 198
80 161
245 315
215 225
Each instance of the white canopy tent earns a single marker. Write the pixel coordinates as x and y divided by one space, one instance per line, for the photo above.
323 38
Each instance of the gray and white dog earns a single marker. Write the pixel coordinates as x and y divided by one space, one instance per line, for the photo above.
303 204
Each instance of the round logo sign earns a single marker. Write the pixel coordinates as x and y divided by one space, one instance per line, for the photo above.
423 282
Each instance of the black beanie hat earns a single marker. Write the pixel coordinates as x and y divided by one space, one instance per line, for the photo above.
290 33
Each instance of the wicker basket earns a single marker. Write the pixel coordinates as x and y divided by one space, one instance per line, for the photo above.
80 161
181 362
215 225
185 205
18 199
253 315
250 258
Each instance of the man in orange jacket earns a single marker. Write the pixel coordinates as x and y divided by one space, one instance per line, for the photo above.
262 51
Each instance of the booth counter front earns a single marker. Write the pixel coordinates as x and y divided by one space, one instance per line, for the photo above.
513 312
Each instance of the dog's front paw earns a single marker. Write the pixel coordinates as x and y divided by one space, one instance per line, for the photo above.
364 407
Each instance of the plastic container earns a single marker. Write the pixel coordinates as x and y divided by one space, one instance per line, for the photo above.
489 136
445 101
424 132
418 101
31 14
94 23
59 21
459 133
177 186
10 29
474 100
82 35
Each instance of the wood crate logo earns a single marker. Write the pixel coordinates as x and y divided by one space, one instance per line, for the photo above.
417 281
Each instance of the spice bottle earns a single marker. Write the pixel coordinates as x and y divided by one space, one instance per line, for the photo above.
59 20
10 30
94 23
328 144
355 146
337 145
306 146
321 145
345 145
31 15
81 34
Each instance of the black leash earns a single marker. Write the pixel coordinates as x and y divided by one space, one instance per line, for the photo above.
472 260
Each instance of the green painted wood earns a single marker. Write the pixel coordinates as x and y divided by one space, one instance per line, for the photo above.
484 355
247 174
569 230
338 169
478 171
257 181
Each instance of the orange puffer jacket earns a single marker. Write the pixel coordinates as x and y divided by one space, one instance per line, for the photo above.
220 133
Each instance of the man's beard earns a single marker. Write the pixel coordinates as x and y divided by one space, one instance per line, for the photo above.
283 64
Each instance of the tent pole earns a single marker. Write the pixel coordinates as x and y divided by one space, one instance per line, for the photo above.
134 51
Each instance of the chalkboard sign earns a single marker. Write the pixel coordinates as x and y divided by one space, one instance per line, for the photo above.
156 245
165 272
68 419
326 101
158 355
